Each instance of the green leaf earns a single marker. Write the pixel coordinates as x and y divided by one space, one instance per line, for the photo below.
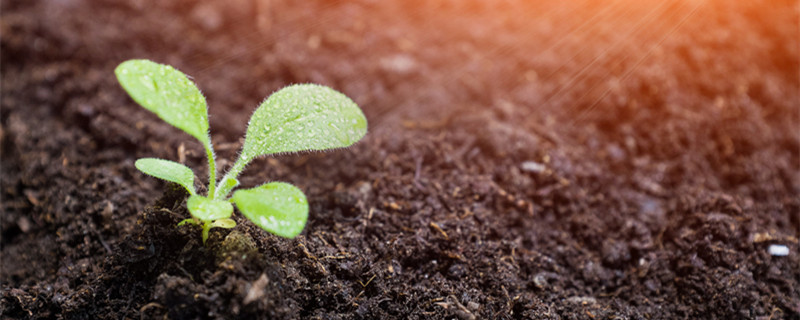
303 117
168 170
277 207
168 93
189 221
207 209
231 183
223 223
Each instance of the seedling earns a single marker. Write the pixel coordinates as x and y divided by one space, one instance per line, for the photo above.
301 117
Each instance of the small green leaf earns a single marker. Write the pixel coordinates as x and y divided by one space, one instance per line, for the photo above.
167 170
189 221
303 117
231 183
207 209
277 207
168 93
223 223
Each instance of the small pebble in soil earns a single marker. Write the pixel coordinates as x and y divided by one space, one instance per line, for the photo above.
236 245
778 250
582 300
400 63
531 166
256 291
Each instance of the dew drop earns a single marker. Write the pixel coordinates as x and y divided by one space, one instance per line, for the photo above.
147 81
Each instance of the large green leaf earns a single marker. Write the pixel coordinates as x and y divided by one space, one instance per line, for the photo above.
168 93
168 170
207 209
303 117
277 207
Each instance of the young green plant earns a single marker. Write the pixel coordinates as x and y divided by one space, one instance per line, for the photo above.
303 117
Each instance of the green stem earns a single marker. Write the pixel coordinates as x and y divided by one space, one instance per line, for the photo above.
223 188
212 168
206 228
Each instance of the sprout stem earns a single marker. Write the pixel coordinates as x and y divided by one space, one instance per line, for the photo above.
224 188
206 228
212 168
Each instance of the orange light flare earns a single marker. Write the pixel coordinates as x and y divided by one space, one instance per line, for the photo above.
576 54
581 56
569 55
575 57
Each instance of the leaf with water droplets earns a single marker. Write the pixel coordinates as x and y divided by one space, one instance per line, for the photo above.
167 170
303 117
277 207
207 209
168 93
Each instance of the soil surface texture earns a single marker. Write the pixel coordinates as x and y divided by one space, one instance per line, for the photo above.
525 160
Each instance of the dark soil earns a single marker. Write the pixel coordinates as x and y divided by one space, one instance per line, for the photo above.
525 160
